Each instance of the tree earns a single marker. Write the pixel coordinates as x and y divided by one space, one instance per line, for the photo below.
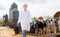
34 18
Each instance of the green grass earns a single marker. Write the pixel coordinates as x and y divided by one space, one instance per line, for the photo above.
1 23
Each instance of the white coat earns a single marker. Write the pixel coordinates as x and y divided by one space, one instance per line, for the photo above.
25 19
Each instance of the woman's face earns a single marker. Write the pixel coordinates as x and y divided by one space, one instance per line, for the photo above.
25 6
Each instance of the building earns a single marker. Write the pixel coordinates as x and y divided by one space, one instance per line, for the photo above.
11 9
13 15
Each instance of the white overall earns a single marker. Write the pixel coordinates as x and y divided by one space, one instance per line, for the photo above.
25 19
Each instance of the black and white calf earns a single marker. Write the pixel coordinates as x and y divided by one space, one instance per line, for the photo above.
51 27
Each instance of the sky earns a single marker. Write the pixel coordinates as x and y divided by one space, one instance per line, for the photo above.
36 7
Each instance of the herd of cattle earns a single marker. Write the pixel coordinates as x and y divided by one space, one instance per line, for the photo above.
43 26
39 26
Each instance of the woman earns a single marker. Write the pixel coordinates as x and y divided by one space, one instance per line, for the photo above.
25 19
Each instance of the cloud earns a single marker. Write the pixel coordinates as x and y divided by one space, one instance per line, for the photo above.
40 1
2 7
33 1
37 7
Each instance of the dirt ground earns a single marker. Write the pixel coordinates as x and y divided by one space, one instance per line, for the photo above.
7 32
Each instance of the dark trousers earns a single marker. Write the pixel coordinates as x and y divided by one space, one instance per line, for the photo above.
16 29
32 30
